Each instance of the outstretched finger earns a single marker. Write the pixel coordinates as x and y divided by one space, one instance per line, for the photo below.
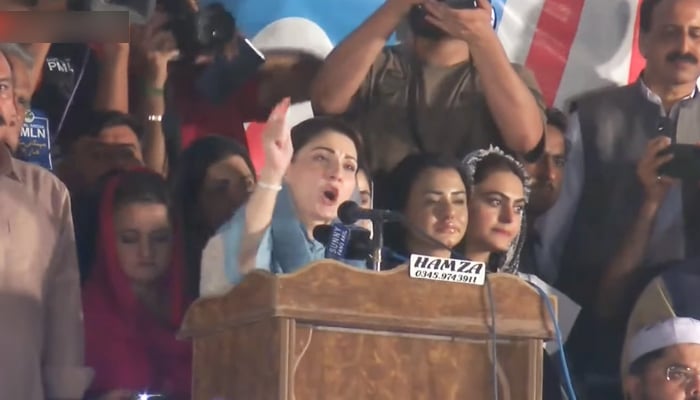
279 112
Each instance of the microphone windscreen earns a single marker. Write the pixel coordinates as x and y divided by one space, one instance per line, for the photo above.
322 233
347 212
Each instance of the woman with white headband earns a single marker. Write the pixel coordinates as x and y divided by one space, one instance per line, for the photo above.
498 192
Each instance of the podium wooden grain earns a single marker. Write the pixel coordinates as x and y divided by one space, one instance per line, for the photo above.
332 332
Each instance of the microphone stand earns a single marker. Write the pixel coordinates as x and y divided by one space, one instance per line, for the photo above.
378 239
377 244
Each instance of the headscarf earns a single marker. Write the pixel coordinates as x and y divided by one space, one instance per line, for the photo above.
125 344
510 261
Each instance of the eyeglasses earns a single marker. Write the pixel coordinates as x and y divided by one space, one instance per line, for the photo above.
681 375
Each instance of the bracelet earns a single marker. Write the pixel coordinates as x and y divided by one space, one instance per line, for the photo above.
155 118
263 185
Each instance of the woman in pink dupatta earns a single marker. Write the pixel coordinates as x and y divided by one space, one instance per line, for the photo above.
135 299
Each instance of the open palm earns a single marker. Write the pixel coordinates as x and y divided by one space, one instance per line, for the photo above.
277 140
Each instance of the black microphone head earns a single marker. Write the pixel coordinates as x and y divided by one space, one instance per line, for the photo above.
322 233
360 246
347 212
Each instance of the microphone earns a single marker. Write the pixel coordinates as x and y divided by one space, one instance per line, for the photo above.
350 212
343 242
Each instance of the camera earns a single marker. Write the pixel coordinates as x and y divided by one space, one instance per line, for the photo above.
685 164
206 31
422 27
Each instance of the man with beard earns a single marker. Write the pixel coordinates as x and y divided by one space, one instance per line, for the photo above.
450 90
41 343
661 352
547 175
626 215
612 130
664 361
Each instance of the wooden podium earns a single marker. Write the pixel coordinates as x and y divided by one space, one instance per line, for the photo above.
332 332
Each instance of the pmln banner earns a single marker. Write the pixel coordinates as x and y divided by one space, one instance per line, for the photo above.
572 46
34 140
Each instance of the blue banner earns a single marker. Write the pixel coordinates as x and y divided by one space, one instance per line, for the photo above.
35 140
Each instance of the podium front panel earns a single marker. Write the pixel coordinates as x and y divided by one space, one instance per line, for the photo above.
246 362
337 363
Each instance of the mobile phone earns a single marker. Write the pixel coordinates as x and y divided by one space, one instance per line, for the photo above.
462 4
685 164
250 58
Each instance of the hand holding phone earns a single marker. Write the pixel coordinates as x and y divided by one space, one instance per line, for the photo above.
684 165
462 4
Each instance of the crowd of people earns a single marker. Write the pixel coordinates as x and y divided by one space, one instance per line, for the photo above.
127 191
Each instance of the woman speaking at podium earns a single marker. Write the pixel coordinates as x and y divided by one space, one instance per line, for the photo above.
308 172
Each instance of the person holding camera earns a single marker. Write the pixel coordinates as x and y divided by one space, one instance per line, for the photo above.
619 272
610 132
450 90
221 81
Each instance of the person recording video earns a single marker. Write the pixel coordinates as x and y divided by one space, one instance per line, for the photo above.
220 80
449 90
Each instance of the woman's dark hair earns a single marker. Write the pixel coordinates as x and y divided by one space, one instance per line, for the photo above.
135 186
192 168
401 181
307 130
193 165
141 187
496 163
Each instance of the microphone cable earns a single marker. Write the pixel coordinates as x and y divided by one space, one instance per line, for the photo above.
571 393
493 336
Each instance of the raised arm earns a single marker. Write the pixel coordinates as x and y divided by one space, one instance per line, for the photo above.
277 143
615 280
349 63
287 73
512 103
113 78
155 48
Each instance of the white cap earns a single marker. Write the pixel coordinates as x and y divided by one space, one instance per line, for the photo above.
664 334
